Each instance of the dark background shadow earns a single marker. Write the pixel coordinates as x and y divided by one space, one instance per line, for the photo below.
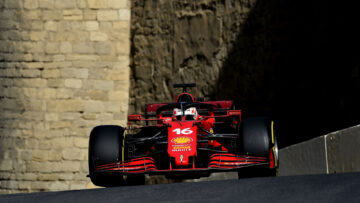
298 62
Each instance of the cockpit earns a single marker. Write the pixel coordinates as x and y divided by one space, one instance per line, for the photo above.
185 98
188 115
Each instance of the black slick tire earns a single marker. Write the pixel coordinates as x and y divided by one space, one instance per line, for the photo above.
257 138
105 147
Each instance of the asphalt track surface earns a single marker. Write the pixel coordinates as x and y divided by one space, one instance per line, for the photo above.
309 188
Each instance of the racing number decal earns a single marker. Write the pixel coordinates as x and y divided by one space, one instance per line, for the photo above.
185 131
180 141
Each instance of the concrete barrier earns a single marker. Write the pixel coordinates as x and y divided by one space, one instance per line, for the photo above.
336 152
343 150
303 158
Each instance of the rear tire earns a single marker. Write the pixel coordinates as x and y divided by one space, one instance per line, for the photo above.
105 147
257 138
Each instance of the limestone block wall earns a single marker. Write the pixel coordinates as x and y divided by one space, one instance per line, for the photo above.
180 41
64 68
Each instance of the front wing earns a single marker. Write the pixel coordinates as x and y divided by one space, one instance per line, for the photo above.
217 163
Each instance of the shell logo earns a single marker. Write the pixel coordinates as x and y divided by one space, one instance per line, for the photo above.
181 140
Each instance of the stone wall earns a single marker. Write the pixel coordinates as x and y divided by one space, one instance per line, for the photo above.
297 62
294 61
180 41
64 68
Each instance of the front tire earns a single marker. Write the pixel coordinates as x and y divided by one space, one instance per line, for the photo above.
257 138
105 147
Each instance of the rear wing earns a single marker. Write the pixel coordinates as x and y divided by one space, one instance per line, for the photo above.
184 86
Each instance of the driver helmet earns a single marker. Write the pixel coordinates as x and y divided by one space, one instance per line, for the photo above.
177 113
191 113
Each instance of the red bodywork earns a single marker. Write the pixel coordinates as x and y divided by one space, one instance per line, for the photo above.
184 140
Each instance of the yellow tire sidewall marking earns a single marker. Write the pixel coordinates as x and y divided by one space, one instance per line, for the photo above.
273 142
123 154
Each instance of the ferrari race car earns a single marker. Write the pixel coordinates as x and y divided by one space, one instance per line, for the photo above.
184 139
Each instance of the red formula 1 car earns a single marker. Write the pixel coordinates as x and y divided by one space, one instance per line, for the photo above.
189 138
